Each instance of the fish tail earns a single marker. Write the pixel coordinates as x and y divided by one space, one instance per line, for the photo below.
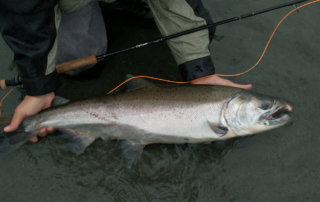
12 140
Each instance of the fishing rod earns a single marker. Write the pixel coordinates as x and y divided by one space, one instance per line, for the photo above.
93 59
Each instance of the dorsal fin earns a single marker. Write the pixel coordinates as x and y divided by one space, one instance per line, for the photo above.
136 83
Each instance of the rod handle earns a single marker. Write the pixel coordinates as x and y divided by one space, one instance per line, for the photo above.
15 81
3 84
75 64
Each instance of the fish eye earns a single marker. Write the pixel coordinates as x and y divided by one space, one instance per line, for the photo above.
265 105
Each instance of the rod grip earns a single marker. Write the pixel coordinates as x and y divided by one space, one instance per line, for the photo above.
75 64
3 84
15 81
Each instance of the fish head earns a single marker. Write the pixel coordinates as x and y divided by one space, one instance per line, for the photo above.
250 113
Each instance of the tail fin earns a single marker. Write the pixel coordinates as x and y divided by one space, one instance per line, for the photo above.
12 140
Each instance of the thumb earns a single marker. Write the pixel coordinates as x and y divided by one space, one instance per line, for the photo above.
16 120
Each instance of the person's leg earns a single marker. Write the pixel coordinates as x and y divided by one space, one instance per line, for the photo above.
81 33
70 6
191 51
133 7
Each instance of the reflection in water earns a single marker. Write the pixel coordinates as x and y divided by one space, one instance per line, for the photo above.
166 172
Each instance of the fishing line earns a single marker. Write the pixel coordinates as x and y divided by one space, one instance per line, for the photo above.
224 75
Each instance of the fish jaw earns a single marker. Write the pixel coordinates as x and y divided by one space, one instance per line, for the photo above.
278 115
250 113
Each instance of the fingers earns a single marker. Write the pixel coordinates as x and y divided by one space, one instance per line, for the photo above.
50 130
42 133
247 86
45 131
16 120
29 106
226 82
215 80
34 139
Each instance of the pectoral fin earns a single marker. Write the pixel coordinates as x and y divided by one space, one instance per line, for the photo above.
131 151
218 129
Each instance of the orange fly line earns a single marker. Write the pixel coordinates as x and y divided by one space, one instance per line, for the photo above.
225 75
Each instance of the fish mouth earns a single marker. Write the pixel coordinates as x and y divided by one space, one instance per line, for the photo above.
279 116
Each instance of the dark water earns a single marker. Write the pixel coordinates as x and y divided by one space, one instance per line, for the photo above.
279 165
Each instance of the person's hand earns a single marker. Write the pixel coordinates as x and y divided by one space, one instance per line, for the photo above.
28 107
215 80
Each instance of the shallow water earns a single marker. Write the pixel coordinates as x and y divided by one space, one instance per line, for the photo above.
279 165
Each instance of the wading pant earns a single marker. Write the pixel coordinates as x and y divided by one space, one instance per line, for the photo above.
83 28
81 32
191 51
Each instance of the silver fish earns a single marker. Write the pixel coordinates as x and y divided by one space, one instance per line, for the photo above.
148 114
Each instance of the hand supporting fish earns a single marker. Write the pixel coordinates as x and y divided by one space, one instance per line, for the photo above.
215 80
31 105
